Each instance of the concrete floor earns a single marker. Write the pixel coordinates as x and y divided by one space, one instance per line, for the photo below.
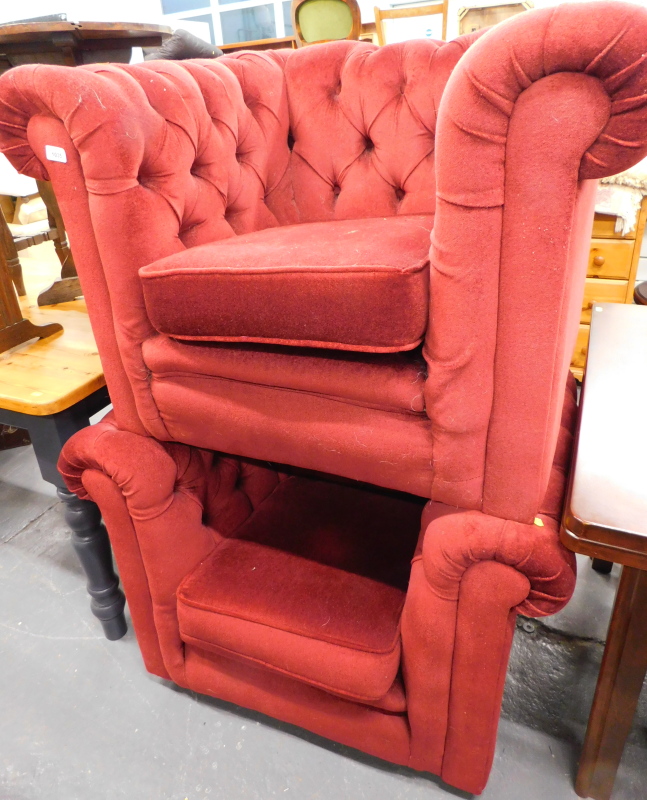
80 719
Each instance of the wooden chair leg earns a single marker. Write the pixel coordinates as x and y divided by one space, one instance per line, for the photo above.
11 256
623 670
15 270
68 267
15 330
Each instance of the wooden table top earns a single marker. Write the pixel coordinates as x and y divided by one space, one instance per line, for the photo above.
49 375
24 32
74 43
606 512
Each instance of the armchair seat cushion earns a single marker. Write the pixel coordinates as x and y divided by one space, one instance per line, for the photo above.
346 284
311 586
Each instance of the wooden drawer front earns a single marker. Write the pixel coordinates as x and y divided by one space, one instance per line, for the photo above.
598 290
605 226
581 346
610 258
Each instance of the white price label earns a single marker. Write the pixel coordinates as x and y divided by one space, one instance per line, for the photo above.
55 154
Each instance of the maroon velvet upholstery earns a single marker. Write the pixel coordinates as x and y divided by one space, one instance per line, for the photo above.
251 484
308 540
347 285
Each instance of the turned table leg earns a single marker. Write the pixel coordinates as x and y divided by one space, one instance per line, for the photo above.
89 537
623 670
92 546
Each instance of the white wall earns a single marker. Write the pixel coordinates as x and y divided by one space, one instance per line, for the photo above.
90 10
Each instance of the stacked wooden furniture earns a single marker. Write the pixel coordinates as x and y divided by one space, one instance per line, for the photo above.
611 276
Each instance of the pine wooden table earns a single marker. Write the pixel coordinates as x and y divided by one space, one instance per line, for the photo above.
52 387
606 517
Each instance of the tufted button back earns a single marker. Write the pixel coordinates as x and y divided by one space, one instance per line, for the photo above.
214 148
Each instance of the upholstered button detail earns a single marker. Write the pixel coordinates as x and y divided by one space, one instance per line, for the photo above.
336 189
399 194
290 141
368 145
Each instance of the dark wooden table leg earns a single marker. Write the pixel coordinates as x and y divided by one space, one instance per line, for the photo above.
89 537
622 673
92 546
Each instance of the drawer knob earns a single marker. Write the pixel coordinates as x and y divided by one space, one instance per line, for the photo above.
598 261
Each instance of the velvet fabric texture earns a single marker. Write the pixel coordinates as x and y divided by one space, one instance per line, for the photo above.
218 515
497 138
346 285
299 591
164 157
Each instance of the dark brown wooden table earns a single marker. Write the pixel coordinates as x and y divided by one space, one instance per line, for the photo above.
74 43
606 517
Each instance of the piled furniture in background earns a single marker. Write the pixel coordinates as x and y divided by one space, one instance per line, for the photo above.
618 229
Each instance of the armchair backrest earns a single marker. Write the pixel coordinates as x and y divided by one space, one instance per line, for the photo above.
163 156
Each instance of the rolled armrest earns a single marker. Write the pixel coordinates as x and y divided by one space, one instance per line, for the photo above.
456 541
534 110
127 458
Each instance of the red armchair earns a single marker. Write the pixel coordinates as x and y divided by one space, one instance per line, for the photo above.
307 401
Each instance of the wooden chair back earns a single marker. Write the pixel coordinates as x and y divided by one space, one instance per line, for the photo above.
316 21
400 13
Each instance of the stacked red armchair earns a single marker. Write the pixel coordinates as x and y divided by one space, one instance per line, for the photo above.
335 467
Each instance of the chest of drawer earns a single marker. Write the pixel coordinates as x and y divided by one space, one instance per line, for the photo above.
581 347
605 225
598 290
610 258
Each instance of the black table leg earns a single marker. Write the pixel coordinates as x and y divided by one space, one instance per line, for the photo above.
92 546
602 566
89 538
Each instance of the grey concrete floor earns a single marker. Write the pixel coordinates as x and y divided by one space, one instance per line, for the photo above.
80 719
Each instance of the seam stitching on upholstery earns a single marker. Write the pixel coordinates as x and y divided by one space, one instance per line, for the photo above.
328 639
157 376
295 675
